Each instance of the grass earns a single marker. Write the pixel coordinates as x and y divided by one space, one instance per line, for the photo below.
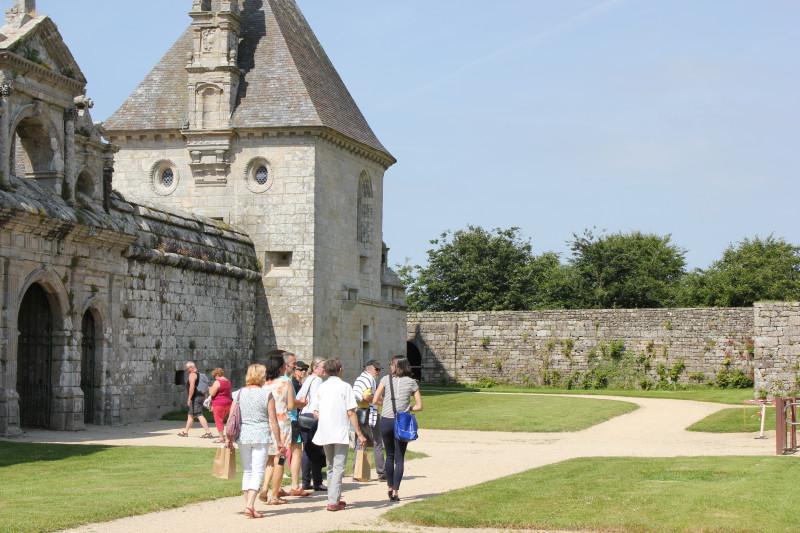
49 487
485 412
690 494
695 393
736 420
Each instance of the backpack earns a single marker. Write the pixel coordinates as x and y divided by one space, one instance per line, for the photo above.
202 383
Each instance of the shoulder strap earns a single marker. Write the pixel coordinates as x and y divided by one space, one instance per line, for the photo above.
391 387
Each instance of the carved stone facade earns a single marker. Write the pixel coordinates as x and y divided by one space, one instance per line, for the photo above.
253 126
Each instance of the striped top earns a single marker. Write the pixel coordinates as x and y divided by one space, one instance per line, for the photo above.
404 389
363 382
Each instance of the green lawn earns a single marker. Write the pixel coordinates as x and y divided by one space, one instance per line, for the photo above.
692 494
49 487
696 393
735 420
488 412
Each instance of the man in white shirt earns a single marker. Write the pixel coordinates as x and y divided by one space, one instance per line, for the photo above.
313 455
364 388
334 405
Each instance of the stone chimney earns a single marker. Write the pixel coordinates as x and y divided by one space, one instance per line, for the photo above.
22 12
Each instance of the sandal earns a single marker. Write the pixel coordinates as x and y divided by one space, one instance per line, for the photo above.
219 441
207 436
249 512
183 434
300 493
277 501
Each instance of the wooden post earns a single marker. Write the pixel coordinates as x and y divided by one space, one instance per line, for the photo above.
780 426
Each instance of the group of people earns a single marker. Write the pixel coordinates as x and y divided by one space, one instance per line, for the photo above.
300 415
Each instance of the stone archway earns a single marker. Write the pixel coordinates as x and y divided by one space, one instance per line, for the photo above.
35 358
35 148
85 191
415 359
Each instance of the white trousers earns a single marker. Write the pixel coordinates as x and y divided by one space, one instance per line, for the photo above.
336 454
254 461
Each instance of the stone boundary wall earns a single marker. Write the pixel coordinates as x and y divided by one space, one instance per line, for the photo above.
547 347
777 348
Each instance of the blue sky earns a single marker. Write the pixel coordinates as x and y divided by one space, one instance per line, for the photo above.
678 117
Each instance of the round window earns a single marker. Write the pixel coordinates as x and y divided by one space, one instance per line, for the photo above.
167 177
262 175
164 178
259 176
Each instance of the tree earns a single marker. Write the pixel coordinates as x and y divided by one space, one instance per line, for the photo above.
625 270
752 270
473 270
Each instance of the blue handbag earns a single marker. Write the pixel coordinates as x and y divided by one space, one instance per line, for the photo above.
405 424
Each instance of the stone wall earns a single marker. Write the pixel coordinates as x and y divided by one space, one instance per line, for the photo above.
554 347
777 348
278 216
161 286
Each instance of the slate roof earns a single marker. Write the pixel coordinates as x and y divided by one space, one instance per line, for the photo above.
288 81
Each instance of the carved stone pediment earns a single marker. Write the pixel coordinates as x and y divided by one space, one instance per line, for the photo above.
44 46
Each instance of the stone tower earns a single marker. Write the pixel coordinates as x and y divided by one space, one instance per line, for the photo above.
245 120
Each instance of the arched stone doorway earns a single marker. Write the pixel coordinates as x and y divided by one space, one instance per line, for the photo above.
35 358
415 359
90 347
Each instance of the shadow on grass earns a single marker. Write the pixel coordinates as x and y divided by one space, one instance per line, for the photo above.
15 453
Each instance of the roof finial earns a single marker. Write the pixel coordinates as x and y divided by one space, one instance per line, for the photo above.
22 12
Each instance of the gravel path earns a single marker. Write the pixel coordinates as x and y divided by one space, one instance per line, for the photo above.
456 459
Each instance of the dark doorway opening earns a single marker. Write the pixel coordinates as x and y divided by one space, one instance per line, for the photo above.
415 359
35 359
88 366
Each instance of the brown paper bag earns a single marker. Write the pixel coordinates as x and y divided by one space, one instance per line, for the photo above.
224 463
362 471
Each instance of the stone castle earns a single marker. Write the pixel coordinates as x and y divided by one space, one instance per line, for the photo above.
231 208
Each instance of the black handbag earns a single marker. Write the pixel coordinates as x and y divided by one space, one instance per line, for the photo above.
307 421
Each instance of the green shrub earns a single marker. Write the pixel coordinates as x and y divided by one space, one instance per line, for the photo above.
486 383
728 378
697 377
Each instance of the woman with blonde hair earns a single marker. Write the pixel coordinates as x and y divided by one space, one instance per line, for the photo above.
221 400
259 429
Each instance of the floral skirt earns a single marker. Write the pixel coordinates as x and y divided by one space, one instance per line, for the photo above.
285 430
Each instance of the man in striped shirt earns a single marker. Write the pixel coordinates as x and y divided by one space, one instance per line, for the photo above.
367 414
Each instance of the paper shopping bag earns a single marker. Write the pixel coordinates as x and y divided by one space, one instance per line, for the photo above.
362 471
224 463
